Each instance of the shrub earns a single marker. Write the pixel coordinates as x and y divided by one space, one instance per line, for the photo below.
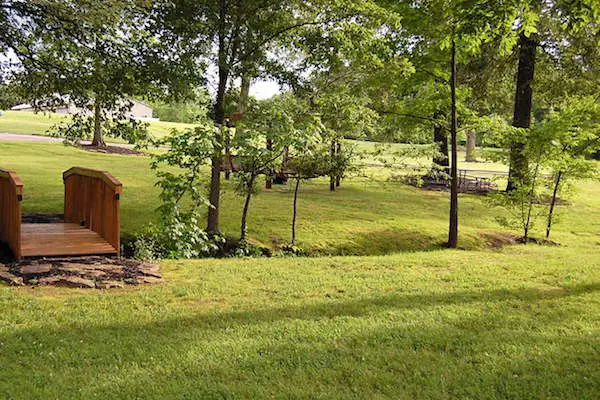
177 236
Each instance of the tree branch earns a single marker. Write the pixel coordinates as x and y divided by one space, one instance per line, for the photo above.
438 78
280 32
429 119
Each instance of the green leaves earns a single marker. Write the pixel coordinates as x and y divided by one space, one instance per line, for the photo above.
529 22
182 193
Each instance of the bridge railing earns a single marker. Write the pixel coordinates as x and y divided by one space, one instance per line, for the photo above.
92 200
11 195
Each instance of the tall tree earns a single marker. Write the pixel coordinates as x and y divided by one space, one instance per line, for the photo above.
550 29
339 98
230 34
442 36
95 56
523 106
286 121
453 225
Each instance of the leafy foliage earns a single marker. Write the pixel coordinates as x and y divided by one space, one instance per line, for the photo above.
190 110
9 96
558 148
179 233
274 128
523 210
177 236
94 56
116 124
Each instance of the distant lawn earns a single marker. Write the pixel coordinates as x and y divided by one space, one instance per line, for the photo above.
392 154
365 216
523 323
38 124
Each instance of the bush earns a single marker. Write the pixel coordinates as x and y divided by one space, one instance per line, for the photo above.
243 248
293 250
177 236
155 243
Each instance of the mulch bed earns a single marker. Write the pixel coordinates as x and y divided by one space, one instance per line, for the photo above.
84 272
125 151
497 240
81 272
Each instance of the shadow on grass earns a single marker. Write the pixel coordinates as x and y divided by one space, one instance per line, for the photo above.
337 348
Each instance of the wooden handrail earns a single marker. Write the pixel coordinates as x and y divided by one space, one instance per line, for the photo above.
14 179
11 194
110 180
92 200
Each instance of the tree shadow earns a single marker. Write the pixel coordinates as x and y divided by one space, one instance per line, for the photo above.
305 350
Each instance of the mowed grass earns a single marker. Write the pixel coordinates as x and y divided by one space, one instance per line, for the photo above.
410 320
520 323
39 123
364 217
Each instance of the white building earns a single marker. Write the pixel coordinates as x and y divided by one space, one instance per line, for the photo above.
139 110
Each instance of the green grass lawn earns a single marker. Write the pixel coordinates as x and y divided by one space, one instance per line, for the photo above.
365 216
401 318
38 123
522 323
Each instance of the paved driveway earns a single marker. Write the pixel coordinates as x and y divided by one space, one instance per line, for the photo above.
17 137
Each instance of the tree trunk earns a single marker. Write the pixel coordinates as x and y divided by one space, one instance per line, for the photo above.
517 174
332 150
228 156
269 179
553 203
441 158
227 140
214 197
244 229
244 93
212 225
531 199
338 178
471 144
295 213
98 139
242 107
453 228
280 176
216 161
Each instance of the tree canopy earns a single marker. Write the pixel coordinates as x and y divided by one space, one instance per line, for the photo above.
425 72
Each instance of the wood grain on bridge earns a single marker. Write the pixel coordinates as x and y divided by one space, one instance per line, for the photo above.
92 219
61 239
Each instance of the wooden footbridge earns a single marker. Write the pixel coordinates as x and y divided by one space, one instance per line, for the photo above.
91 217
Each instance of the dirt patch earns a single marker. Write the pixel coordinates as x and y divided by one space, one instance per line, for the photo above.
547 199
542 242
125 151
81 272
37 218
472 185
497 240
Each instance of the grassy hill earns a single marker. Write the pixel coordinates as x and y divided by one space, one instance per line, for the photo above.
399 318
368 215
